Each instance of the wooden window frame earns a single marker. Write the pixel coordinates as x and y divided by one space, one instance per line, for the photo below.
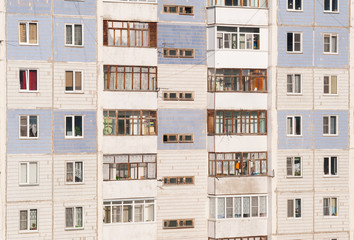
150 71
243 3
180 138
167 96
178 9
118 166
179 180
180 223
243 128
213 75
141 119
238 164
167 52
128 28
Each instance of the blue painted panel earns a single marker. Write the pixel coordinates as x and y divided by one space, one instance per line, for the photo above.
87 7
42 51
295 142
29 6
339 60
182 121
303 59
80 145
86 53
182 36
43 144
199 11
304 17
340 19
333 142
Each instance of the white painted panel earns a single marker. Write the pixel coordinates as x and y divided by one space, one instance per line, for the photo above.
211 15
129 100
129 11
211 100
129 144
211 143
241 227
238 101
242 16
237 143
241 185
146 231
129 56
240 58
211 31
130 189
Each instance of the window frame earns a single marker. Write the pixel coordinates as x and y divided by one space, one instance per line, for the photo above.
329 134
293 134
330 207
74 82
294 3
27 90
28 127
330 7
330 175
331 52
293 84
180 180
215 3
166 96
330 85
293 51
73 182
178 11
180 138
73 126
241 238
73 35
27 183
178 52
293 169
28 230
294 208
180 223
74 211
27 43
255 39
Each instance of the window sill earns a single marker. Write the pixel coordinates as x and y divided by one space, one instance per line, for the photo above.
27 91
330 176
331 12
73 92
28 138
74 183
75 46
330 95
74 228
330 53
294 52
293 177
28 185
329 135
294 10
28 231
294 94
28 44
73 138
294 135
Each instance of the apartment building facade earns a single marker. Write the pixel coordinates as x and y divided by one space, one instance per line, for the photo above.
175 119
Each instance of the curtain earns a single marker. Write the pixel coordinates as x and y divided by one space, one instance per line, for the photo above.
69 222
78 217
33 173
69 81
23 83
32 80
23 33
23 220
78 172
78 81
33 33
23 173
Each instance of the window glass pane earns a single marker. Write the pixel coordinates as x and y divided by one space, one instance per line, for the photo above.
263 206
138 214
69 172
23 173
32 126
69 221
221 207
23 33
78 81
69 126
254 206
297 166
33 219
333 84
149 212
237 207
290 208
78 35
107 214
23 220
333 165
69 36
78 125
78 172
246 207
116 214
326 166
297 208
33 173
69 86
78 222
33 33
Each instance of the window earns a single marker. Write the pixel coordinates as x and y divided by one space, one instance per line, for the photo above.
28 33
294 42
178 96
177 138
181 10
28 220
241 238
178 53
73 35
238 206
129 34
237 164
178 223
294 208
330 43
74 217
129 211
73 81
74 126
330 166
330 125
178 180
330 206
237 122
293 167
130 78
129 167
74 172
294 83
237 80
28 80
238 38
330 6
29 126
293 127
128 123
330 85
28 173
295 5
240 3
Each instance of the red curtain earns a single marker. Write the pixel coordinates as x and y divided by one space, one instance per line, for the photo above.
32 80
23 80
